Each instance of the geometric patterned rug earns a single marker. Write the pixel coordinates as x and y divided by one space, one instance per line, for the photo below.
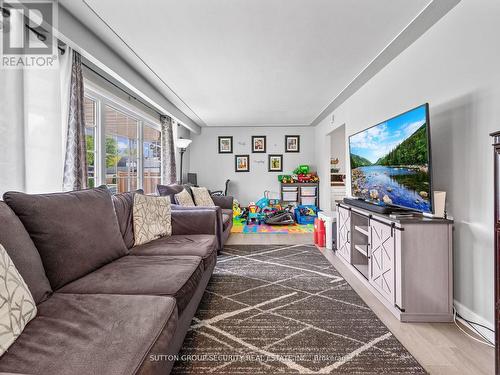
241 227
272 309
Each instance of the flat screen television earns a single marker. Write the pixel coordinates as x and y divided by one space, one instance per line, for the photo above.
391 162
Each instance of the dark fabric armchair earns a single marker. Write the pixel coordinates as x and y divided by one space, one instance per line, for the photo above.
223 208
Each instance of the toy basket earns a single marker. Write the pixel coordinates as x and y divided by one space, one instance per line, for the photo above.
305 219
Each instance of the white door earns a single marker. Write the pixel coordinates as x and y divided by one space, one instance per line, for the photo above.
344 233
381 262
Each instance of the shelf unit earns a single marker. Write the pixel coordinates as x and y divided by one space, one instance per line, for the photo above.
406 262
337 179
297 186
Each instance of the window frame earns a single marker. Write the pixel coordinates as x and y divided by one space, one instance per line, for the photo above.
104 98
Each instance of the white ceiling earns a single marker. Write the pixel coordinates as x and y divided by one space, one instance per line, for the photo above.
258 62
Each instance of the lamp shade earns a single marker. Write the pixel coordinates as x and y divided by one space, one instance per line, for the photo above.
183 142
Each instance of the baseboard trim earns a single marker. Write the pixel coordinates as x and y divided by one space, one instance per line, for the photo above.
472 316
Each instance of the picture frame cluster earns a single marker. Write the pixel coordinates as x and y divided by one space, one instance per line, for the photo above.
259 146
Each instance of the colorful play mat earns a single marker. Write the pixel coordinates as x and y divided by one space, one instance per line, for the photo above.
241 227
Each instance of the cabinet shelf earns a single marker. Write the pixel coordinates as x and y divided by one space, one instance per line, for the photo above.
363 249
362 229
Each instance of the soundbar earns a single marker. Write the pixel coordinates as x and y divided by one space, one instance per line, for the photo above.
378 208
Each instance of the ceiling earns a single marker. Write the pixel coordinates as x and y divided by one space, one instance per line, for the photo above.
252 63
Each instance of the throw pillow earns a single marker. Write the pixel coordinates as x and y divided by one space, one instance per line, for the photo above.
184 199
17 307
152 218
202 197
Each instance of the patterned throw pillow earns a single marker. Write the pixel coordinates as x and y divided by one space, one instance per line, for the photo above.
184 199
17 307
152 218
202 197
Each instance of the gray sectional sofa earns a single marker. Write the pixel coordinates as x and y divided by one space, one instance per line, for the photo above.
104 306
223 207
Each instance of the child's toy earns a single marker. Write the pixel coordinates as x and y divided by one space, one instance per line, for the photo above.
306 214
281 217
236 209
301 169
285 179
264 201
254 215
244 213
309 177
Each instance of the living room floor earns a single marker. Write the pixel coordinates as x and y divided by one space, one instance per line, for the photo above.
441 348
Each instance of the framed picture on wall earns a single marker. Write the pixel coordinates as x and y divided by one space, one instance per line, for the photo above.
259 143
275 163
242 163
292 143
226 145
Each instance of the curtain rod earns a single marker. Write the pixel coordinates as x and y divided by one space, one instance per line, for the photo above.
6 13
120 88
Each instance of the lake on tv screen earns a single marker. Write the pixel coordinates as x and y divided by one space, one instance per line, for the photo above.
390 162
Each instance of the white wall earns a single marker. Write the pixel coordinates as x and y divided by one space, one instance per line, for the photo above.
213 168
338 147
31 137
455 66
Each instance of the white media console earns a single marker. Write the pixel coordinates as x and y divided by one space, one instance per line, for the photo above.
407 262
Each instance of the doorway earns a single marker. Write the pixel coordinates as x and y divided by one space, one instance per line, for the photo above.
337 165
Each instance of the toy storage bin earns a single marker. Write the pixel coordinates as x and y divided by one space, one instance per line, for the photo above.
305 219
308 201
308 191
290 196
290 188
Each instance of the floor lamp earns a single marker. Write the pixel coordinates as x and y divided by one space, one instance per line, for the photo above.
182 145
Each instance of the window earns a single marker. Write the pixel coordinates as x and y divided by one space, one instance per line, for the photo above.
122 137
123 145
152 159
90 108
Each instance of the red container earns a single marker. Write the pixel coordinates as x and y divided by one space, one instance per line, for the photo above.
321 233
316 224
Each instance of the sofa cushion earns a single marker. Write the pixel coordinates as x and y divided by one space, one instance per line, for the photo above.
91 334
124 203
152 218
202 245
169 191
17 307
75 232
149 275
22 251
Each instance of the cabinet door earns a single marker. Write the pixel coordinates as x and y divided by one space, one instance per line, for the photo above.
344 233
381 262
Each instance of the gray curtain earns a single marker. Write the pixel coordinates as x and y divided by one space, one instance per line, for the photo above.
75 163
168 168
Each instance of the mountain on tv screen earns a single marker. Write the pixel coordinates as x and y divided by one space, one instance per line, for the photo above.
390 162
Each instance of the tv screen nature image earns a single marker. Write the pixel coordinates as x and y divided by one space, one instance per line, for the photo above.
390 162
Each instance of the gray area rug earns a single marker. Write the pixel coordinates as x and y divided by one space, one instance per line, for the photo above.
273 309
